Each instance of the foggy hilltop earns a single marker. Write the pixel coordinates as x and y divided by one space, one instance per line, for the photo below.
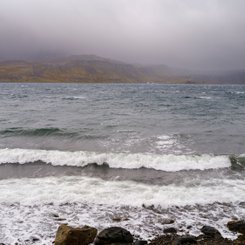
196 41
95 69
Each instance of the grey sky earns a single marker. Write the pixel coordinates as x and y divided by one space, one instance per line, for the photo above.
196 34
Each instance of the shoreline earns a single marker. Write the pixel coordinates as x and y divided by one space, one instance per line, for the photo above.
67 235
145 223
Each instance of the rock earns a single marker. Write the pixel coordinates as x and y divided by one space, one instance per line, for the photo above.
140 242
237 226
163 240
240 240
60 219
67 235
119 218
210 231
241 160
216 240
174 239
167 221
170 230
55 215
35 239
114 235
237 163
186 240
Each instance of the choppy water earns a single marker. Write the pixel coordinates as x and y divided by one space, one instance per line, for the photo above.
104 149
123 118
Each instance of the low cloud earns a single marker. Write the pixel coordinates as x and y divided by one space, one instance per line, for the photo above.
191 34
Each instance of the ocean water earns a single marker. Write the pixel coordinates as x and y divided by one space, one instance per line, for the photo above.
139 153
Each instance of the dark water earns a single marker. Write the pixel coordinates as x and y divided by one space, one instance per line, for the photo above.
178 119
147 152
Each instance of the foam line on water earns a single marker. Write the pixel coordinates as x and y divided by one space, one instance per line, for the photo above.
95 190
170 162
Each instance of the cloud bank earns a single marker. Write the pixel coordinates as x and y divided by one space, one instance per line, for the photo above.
193 34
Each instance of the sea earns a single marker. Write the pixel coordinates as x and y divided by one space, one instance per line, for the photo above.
140 156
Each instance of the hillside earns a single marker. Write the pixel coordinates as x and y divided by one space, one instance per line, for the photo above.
81 69
94 69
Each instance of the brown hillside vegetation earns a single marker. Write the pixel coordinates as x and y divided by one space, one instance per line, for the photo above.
94 69
84 69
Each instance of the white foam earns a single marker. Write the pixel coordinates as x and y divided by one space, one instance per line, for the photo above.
170 162
239 92
20 223
68 189
205 97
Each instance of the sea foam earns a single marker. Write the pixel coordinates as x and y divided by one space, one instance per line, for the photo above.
68 189
168 162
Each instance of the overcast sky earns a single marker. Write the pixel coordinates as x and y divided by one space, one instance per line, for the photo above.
194 34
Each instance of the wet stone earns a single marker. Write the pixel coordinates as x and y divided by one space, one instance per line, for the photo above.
140 242
170 230
67 235
237 226
210 231
186 240
114 235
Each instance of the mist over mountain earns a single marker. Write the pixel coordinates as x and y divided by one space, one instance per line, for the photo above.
189 34
96 69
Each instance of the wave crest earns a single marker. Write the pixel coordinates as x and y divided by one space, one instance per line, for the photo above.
169 162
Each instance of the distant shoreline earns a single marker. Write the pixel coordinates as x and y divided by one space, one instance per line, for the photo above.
109 82
93 69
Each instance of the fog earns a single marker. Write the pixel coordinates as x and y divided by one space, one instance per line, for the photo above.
192 34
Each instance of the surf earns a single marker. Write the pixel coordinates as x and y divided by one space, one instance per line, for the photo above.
164 162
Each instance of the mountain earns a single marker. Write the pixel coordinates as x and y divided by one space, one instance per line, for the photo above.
94 69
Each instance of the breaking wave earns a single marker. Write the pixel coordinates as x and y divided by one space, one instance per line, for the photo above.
168 162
